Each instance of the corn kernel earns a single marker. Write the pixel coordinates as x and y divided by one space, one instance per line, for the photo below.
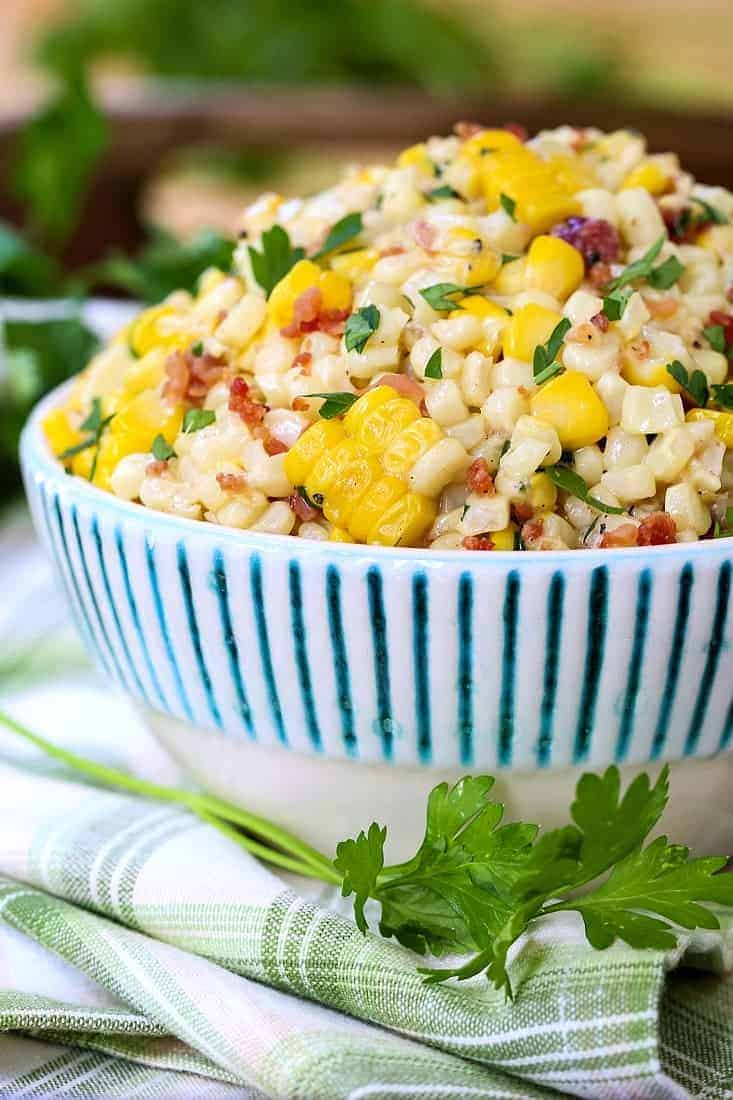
354 265
327 471
723 423
410 445
146 333
541 494
59 433
280 304
338 534
305 452
554 267
648 175
530 326
569 402
505 539
377 430
405 523
512 277
416 156
335 290
379 497
353 482
647 372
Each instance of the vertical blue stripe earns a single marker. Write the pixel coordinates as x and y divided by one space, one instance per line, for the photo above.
465 667
633 677
301 655
340 659
255 578
77 608
221 587
674 664
508 669
184 575
555 601
93 598
381 661
164 631
727 734
421 667
135 616
714 648
595 646
115 613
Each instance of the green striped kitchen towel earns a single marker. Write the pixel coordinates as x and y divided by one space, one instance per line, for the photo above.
153 956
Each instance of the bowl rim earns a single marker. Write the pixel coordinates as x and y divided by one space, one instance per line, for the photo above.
36 457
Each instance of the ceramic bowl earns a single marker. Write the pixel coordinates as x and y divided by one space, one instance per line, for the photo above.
328 684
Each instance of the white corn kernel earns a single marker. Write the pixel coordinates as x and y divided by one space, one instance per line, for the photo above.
686 508
634 316
476 379
444 402
651 409
640 221
128 475
532 427
438 466
277 519
670 452
588 463
581 306
503 408
484 514
468 432
611 388
624 449
630 483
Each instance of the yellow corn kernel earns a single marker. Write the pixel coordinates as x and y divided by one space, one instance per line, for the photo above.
209 280
540 197
480 307
416 156
530 326
376 431
572 406
571 173
346 492
280 304
354 265
723 423
511 279
138 421
541 493
554 267
330 466
144 374
59 433
365 406
504 539
405 523
647 372
338 534
648 175
305 452
378 498
411 444
481 268
489 141
149 331
335 290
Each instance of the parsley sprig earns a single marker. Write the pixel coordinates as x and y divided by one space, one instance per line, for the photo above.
722 394
344 230
442 296
573 483
275 260
695 384
334 404
95 425
544 363
640 269
360 325
475 883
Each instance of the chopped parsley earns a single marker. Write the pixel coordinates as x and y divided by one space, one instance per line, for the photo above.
715 336
197 350
315 501
344 230
334 404
640 269
615 303
695 384
724 530
275 260
161 449
359 327
444 192
434 365
508 205
544 363
572 483
722 394
196 419
441 296
666 275
95 425
712 214
508 258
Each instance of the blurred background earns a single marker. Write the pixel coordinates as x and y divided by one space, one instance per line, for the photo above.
132 132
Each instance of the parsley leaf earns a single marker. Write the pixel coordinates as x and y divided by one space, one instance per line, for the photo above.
335 404
434 365
722 394
715 336
161 449
696 384
726 530
509 205
360 862
440 296
275 260
544 365
666 275
196 419
444 192
615 303
717 217
359 327
344 230
640 269
95 424
572 483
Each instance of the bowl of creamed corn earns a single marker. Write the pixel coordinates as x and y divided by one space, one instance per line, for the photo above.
436 478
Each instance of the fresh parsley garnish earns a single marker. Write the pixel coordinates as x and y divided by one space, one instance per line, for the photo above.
334 404
695 384
197 350
508 205
508 258
275 260
196 419
572 483
722 394
441 296
434 365
715 336
544 364
640 269
444 192
344 230
666 275
161 449
712 214
359 327
95 425
725 530
615 303
315 501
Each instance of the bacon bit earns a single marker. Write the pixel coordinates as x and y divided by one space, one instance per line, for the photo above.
479 479
532 531
517 129
625 535
584 333
300 404
729 293
232 483
523 511
465 129
404 385
600 321
661 308
309 316
477 542
657 529
302 508
394 250
424 234
332 321
303 359
240 402
190 377
156 468
641 349
599 274
275 446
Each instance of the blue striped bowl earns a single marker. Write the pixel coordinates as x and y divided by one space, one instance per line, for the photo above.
310 656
